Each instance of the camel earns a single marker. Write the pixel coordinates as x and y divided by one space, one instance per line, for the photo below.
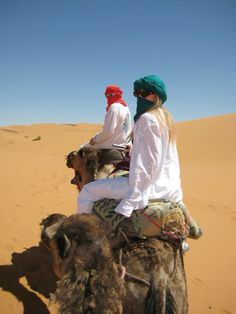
91 164
138 276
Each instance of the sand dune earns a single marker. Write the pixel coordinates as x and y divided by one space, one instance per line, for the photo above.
35 182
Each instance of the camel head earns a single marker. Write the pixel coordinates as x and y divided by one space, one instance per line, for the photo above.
69 237
56 245
91 164
82 260
85 163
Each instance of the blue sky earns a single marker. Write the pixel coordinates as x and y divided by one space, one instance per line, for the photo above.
57 56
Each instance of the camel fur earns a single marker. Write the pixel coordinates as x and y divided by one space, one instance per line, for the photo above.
90 273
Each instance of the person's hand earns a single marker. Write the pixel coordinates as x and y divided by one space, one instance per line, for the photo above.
92 142
127 150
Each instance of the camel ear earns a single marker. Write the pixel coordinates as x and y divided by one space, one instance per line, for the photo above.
69 158
63 245
81 153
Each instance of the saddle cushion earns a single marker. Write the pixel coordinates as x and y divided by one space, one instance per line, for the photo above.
160 218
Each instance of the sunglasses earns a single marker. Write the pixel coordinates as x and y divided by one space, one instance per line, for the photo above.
110 95
143 93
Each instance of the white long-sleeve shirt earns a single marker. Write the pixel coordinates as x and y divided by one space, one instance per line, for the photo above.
154 168
116 128
154 172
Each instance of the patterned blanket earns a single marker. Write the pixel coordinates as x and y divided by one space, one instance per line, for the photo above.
161 218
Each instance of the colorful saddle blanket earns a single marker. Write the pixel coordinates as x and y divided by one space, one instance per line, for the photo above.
160 218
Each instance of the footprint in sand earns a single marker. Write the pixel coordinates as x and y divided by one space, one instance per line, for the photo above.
211 205
224 311
200 282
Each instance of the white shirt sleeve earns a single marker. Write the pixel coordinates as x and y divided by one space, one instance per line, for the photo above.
110 123
146 159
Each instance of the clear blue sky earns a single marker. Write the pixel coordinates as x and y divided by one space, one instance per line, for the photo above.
57 56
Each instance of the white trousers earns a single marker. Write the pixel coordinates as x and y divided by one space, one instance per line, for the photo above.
115 188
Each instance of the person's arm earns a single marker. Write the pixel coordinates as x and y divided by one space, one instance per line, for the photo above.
144 169
109 126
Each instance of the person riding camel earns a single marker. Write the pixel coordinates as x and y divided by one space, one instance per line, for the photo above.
117 122
111 141
154 175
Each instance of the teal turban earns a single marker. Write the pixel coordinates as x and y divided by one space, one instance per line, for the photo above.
152 83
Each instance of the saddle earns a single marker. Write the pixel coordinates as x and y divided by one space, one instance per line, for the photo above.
161 218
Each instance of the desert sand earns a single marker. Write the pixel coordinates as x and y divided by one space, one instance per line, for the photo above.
35 182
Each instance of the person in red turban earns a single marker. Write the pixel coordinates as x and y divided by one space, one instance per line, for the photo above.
117 122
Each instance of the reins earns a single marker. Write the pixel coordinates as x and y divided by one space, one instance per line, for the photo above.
174 237
125 273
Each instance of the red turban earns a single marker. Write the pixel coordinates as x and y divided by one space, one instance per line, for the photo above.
113 94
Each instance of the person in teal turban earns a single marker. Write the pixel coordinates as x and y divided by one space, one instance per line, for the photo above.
145 86
154 172
152 83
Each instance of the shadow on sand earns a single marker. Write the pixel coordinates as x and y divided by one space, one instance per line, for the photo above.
35 265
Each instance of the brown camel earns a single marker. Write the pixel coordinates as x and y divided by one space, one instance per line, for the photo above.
146 276
91 164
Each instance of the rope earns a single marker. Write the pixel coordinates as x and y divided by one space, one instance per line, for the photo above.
158 226
138 279
124 235
125 273
175 264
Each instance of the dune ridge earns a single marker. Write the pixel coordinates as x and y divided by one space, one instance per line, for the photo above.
35 182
